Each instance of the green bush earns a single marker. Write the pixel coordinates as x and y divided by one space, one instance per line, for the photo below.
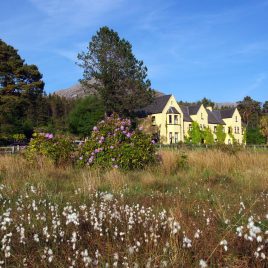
57 149
114 144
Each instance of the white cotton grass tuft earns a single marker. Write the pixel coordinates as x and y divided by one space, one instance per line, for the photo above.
203 263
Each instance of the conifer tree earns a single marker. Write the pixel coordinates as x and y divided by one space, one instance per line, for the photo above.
119 78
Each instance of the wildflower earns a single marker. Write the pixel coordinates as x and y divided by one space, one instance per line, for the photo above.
107 197
49 136
95 128
203 263
224 244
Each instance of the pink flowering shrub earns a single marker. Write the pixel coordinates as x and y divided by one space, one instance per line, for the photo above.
114 144
45 145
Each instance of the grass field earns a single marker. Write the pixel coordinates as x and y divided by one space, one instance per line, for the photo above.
204 208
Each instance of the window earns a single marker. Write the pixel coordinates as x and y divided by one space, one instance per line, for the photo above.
176 137
153 120
190 127
229 130
175 119
170 137
215 129
202 116
170 119
201 126
237 129
236 119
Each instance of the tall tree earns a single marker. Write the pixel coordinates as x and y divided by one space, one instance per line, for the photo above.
207 102
264 126
250 110
118 77
21 87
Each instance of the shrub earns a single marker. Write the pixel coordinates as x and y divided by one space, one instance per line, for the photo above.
56 149
114 144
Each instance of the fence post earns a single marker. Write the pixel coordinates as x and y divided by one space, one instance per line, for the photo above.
13 149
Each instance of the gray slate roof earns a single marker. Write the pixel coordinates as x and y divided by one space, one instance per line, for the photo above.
186 114
214 117
228 113
156 106
193 109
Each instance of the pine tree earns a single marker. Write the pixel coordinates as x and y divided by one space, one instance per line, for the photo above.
120 79
21 87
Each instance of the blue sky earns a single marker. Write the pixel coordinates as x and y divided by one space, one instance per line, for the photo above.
193 49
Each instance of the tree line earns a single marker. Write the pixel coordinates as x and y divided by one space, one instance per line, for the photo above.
119 80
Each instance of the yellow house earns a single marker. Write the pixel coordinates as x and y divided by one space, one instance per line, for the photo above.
166 114
173 121
233 124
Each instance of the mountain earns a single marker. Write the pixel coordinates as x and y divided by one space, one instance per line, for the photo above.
77 91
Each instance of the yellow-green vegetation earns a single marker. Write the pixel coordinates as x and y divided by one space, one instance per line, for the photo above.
203 208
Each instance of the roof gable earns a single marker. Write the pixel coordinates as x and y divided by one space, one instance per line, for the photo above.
214 117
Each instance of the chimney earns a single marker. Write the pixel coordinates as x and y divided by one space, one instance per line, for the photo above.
209 108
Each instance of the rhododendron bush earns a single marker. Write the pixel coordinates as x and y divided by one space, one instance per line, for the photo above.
113 143
45 145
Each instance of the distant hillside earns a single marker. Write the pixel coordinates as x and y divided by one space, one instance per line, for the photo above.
77 91
220 105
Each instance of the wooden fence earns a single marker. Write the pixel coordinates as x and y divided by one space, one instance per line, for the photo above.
179 146
11 149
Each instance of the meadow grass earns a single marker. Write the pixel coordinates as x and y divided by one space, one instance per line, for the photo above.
194 208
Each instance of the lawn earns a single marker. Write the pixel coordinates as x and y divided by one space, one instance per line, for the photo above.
206 208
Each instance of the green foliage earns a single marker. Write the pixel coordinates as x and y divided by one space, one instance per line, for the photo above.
254 136
208 136
195 134
250 110
245 134
206 102
114 144
58 110
264 126
57 150
231 135
220 134
21 88
85 115
111 68
265 107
